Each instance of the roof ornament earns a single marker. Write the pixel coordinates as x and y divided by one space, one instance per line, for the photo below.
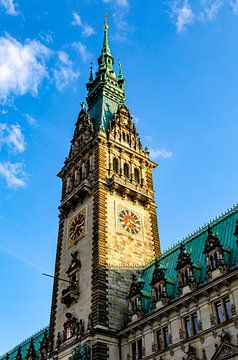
91 73
105 21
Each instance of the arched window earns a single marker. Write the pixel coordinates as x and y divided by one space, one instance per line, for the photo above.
137 175
126 170
115 165
123 136
128 138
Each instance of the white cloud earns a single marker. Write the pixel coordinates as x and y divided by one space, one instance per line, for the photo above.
46 36
122 3
31 121
82 50
77 21
65 73
156 154
13 174
87 30
210 9
22 67
9 7
182 13
12 137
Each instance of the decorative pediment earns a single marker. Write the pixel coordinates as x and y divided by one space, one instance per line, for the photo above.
44 345
31 351
225 351
19 354
83 132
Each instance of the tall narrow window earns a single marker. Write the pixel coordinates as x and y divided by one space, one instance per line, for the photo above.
126 170
227 307
166 337
133 349
187 325
218 307
159 340
115 165
87 167
195 323
139 344
137 175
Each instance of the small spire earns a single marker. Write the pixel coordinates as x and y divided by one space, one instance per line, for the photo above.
106 49
91 73
120 74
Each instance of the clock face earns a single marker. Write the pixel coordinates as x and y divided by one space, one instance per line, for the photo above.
130 221
77 227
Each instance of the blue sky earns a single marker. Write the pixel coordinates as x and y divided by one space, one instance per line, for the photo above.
180 61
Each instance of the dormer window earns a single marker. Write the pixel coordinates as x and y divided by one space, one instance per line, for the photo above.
214 255
158 284
185 271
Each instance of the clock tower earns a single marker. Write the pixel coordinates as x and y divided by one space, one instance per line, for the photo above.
107 221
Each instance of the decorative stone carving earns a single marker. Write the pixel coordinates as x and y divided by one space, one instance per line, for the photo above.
158 284
214 254
135 297
71 293
71 327
191 353
225 350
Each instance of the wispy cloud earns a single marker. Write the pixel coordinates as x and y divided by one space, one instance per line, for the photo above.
12 137
156 154
31 120
22 67
9 7
210 9
64 74
82 50
234 6
119 10
13 174
182 14
87 30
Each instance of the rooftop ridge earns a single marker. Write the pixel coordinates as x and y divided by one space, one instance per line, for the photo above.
22 343
195 233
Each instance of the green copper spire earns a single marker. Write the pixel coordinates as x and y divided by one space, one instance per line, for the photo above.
105 91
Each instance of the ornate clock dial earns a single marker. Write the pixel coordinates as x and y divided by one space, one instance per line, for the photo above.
130 221
77 227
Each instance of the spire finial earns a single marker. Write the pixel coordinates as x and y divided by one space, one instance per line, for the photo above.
120 74
91 73
106 49
105 21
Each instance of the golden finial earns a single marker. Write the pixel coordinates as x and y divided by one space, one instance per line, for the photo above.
105 21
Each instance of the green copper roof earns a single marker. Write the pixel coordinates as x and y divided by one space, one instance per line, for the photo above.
37 338
223 226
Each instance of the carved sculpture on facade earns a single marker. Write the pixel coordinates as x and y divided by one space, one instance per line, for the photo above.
135 297
71 293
